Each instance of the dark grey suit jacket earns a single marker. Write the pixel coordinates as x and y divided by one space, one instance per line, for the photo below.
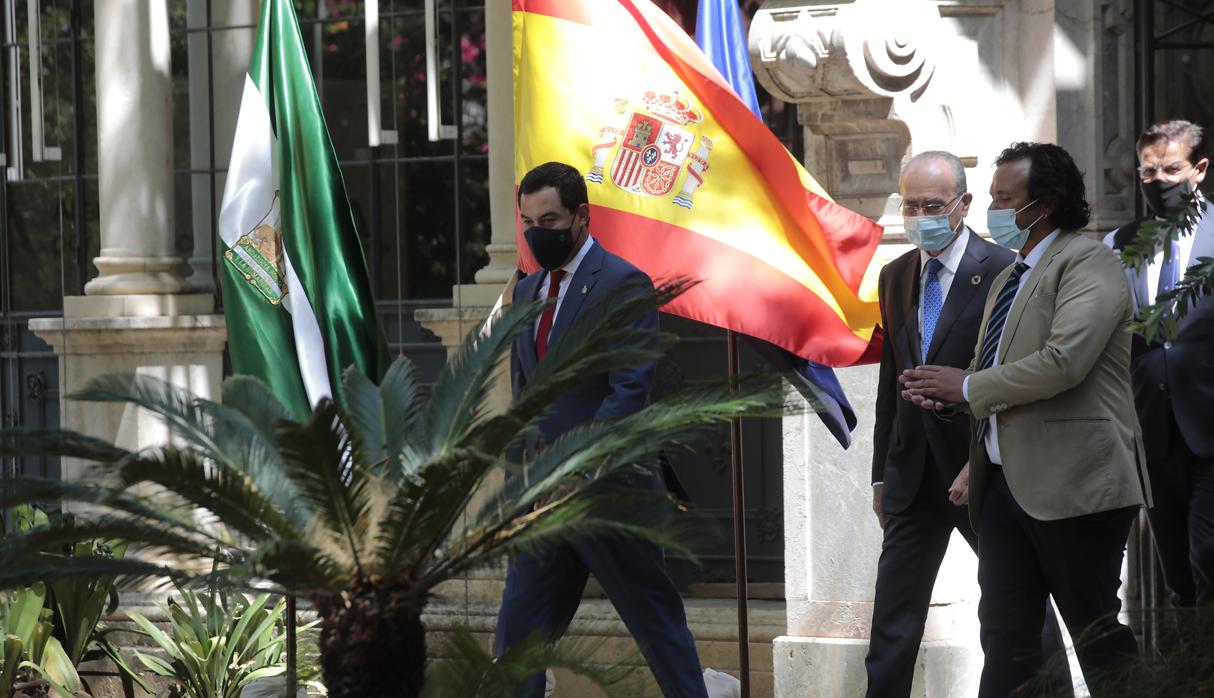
1180 371
903 434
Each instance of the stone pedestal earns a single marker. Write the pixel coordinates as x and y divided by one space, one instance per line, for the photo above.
175 338
831 550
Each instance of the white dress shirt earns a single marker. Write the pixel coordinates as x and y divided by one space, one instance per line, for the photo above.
950 258
1184 249
1035 256
570 269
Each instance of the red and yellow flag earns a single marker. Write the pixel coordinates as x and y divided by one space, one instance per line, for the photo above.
685 181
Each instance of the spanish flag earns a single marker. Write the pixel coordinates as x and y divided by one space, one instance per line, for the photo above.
685 181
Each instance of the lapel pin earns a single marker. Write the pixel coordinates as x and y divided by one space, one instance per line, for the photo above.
975 279
585 290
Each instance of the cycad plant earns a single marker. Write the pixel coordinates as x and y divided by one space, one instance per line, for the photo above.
361 507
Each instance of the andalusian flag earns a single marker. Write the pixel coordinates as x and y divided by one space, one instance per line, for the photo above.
684 181
296 293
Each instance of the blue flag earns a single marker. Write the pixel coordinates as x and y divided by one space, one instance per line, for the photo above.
719 35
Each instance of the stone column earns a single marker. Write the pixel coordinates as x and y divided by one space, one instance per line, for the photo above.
135 151
228 61
500 85
137 315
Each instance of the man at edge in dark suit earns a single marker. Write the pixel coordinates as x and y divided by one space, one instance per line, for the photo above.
931 304
1174 378
543 591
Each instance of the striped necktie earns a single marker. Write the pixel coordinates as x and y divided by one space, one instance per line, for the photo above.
994 328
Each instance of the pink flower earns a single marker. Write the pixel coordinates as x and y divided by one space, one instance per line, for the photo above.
398 41
469 51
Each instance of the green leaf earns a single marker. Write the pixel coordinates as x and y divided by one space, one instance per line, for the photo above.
165 643
59 669
156 664
24 611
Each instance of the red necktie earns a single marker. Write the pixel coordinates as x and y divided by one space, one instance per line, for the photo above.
541 336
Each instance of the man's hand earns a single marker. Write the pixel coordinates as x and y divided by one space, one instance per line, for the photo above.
877 505
959 492
933 387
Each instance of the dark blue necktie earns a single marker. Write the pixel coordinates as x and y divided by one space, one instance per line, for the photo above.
994 328
933 301
1169 270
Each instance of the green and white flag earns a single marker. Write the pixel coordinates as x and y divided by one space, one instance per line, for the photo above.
296 293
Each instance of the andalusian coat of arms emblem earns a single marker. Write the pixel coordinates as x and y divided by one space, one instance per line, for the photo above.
650 145
258 256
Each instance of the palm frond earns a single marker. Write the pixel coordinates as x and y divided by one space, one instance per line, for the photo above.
315 456
467 670
458 398
137 534
232 497
16 443
124 571
424 508
175 406
382 418
603 446
601 340
591 511
251 397
112 496
293 566
242 445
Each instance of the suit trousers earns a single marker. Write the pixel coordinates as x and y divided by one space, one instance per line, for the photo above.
915 542
1021 561
543 592
1182 520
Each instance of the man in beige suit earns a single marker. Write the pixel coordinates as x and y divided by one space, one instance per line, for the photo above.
1056 477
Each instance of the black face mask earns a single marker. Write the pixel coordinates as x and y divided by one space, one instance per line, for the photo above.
1165 198
550 246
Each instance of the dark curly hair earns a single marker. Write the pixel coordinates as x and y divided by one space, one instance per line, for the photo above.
1053 178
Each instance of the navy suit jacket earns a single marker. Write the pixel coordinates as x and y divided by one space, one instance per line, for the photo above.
615 394
1181 371
903 434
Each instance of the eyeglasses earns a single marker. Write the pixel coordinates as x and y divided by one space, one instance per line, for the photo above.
1175 169
931 208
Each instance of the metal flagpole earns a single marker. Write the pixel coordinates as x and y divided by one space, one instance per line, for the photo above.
292 671
739 524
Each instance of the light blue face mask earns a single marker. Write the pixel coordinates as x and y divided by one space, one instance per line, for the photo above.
1004 231
931 233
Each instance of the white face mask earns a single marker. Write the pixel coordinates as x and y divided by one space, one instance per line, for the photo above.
1001 222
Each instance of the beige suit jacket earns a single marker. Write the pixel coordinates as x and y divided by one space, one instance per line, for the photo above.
1060 391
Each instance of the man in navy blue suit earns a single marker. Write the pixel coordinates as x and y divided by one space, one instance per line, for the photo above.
543 591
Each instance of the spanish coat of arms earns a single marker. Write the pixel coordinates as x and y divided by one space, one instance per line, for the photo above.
649 144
